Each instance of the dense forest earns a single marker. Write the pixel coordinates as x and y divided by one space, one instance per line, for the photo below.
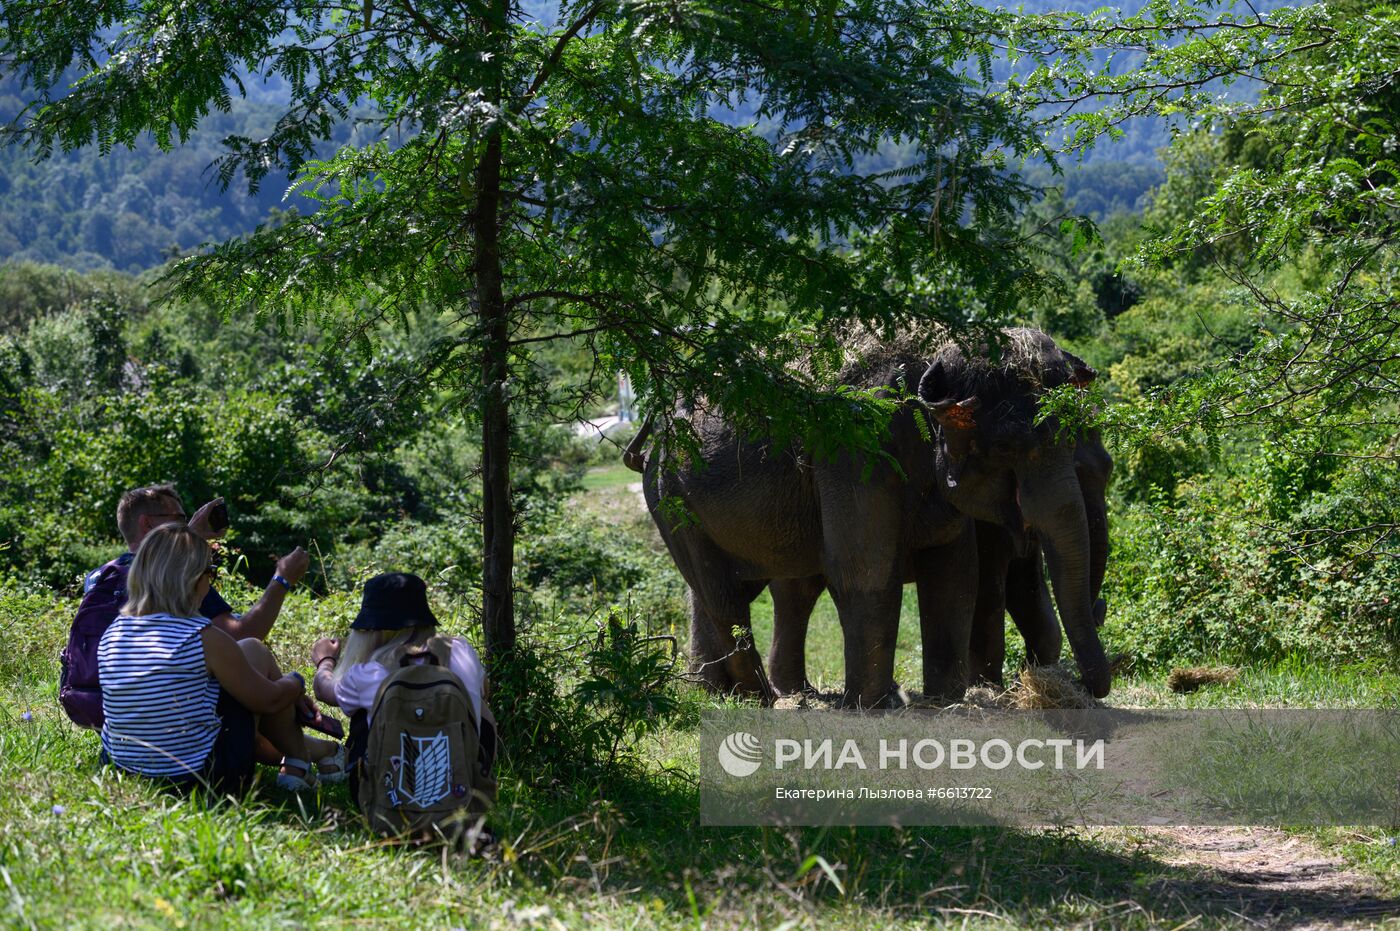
133 209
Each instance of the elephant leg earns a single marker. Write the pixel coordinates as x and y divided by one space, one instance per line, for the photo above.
947 580
793 601
707 649
719 605
987 647
862 512
723 661
1028 601
870 627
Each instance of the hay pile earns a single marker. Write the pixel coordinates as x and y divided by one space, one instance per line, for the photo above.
1189 678
808 701
1038 688
1048 688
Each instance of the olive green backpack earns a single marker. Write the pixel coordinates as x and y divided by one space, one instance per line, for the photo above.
422 769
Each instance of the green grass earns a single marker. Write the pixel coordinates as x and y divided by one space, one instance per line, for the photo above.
1291 683
609 476
628 852
825 657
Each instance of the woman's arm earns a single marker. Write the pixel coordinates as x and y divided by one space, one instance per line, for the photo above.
323 684
252 689
324 655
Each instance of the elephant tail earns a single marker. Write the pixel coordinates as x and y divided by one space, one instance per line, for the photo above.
632 456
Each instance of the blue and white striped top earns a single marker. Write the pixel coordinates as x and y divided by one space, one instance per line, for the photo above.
158 697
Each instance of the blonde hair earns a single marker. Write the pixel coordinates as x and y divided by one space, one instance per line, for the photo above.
138 502
373 646
164 576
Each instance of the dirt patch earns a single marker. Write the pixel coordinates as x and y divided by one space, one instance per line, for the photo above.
1262 877
1269 878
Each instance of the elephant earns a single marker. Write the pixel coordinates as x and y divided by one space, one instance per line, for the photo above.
1008 583
1023 594
1019 589
757 512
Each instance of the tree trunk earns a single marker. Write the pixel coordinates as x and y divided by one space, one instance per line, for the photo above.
498 511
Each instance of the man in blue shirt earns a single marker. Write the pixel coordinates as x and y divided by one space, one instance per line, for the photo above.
140 511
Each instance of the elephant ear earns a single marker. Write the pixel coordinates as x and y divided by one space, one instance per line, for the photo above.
1081 375
956 415
934 384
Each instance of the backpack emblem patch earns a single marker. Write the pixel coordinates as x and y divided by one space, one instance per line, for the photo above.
425 776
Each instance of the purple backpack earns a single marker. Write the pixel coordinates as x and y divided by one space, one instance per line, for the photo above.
78 688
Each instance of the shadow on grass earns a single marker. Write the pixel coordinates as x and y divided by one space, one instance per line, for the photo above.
636 836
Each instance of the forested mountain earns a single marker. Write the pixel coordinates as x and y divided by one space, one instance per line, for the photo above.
131 210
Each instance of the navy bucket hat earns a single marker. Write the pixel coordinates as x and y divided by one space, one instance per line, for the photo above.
394 601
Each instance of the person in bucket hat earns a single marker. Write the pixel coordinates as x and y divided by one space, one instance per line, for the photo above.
394 601
394 614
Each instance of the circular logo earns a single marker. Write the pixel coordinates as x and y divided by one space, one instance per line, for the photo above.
740 754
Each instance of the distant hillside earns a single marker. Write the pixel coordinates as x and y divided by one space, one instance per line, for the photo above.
132 210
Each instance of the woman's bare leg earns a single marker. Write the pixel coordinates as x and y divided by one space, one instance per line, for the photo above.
281 729
318 748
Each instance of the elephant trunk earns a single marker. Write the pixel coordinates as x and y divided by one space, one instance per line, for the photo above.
1053 505
1093 467
1097 513
632 456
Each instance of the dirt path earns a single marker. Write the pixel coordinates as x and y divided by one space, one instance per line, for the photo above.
1271 879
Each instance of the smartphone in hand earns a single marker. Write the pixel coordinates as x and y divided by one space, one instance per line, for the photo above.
319 722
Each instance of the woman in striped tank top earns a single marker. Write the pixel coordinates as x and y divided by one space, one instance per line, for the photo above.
178 694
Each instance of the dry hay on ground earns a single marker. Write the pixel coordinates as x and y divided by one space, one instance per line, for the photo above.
1190 678
1046 688
1038 688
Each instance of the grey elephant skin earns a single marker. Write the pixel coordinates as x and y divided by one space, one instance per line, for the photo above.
1008 584
754 512
1018 588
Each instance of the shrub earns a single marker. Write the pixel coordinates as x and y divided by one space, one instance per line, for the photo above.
579 565
447 554
1205 578
574 711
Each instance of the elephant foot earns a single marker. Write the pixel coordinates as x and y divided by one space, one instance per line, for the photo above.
786 683
949 686
807 691
725 685
713 675
871 701
733 675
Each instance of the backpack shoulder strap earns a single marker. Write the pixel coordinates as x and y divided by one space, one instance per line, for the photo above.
107 578
440 646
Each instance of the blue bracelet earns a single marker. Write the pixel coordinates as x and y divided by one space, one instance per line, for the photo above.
299 679
283 582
